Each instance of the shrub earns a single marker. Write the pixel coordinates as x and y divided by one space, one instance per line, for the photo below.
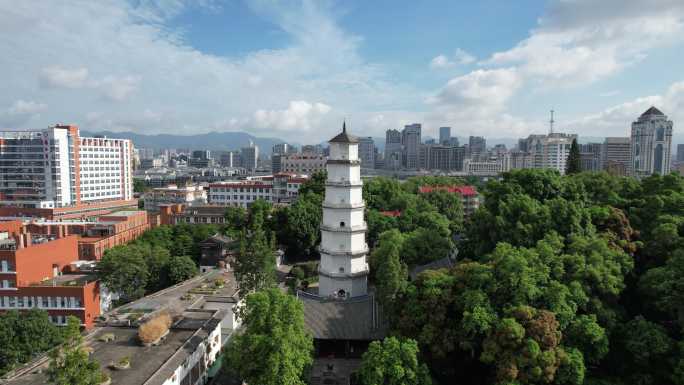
297 272
153 329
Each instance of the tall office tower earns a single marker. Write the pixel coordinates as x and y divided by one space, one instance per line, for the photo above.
439 157
201 154
281 148
453 141
343 270
544 151
680 153
616 156
477 145
367 152
227 159
410 139
277 163
556 149
444 135
393 149
591 156
56 168
250 156
651 140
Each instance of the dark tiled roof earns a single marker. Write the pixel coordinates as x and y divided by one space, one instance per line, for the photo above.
652 111
444 263
344 137
353 319
220 238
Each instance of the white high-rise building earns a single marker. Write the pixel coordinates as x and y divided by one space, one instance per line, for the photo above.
651 141
56 168
343 270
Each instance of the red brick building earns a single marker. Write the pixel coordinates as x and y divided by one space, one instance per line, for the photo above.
35 273
97 235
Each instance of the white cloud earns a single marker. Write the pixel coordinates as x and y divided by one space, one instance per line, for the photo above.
115 51
481 89
22 107
118 88
616 120
59 77
460 57
21 111
440 61
582 41
576 43
299 116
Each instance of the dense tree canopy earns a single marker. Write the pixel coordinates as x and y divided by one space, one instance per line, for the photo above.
274 347
70 363
393 361
560 279
160 257
25 335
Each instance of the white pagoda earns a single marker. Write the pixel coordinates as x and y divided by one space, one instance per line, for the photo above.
343 271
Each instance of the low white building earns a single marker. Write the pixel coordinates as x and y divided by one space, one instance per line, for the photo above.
172 194
279 188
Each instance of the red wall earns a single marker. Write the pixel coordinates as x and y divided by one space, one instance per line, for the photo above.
35 263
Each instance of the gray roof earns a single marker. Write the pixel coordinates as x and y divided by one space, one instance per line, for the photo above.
219 238
353 319
344 137
443 263
653 111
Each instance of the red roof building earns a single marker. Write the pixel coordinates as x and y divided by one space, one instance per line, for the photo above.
469 195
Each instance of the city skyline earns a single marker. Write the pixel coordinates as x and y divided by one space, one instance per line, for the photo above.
182 67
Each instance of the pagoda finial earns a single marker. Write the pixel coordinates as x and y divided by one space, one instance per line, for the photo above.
344 125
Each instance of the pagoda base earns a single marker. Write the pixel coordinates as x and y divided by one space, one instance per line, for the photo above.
343 287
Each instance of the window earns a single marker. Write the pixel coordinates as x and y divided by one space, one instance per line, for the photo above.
341 224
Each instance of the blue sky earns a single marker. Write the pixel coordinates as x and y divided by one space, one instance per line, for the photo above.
295 69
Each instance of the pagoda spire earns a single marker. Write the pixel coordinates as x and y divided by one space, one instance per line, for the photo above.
344 125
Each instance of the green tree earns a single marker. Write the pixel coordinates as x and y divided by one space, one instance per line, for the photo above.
70 364
574 162
139 185
664 287
123 270
299 225
22 336
390 272
254 265
157 260
274 348
315 184
181 268
393 362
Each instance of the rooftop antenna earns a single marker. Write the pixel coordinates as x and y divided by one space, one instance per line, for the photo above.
551 122
344 125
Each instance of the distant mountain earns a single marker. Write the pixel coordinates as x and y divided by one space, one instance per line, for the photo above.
210 141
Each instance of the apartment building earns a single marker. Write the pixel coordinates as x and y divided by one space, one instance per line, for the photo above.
56 172
305 163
